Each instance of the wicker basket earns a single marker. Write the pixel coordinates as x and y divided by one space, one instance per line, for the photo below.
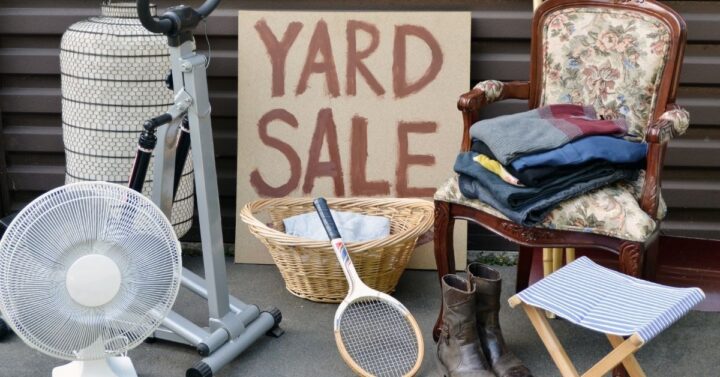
310 268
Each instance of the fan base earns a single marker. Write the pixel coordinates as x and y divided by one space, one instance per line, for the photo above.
109 367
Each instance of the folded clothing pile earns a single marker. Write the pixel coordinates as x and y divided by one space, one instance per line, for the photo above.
524 164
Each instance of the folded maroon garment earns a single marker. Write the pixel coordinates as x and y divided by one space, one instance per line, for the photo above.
564 110
542 129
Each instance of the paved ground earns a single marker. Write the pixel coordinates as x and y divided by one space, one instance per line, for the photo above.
690 348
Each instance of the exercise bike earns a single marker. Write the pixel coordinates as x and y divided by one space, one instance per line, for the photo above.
233 325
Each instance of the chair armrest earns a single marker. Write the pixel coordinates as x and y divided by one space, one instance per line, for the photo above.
675 121
484 93
490 91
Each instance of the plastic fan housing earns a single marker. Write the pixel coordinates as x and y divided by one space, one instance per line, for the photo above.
88 271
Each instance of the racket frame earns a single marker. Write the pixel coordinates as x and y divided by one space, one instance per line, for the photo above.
357 289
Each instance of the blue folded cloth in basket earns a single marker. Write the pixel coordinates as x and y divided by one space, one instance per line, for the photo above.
354 227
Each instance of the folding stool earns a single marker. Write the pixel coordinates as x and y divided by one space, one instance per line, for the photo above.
606 301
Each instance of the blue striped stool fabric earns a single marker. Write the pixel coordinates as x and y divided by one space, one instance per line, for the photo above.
610 302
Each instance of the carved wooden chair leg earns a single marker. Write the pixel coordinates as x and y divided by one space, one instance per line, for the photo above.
444 250
651 260
632 258
524 268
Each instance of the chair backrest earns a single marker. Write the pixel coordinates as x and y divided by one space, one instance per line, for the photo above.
621 56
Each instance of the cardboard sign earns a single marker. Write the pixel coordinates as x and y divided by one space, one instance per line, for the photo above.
341 104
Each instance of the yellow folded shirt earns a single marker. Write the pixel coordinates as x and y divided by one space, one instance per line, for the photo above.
497 168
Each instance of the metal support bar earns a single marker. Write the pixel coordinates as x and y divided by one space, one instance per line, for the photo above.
187 330
164 333
208 198
196 284
228 352
233 324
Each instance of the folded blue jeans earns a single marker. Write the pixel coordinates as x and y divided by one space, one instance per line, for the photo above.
591 148
530 205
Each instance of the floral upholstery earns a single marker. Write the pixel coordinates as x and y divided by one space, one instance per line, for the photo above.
611 211
492 88
680 119
613 59
610 58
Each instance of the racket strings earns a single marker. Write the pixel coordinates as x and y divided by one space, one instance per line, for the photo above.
379 338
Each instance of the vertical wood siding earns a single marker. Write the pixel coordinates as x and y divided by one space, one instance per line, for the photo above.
31 138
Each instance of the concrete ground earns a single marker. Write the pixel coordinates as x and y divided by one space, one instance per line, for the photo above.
689 348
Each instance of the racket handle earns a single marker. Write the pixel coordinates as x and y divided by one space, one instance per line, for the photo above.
326 218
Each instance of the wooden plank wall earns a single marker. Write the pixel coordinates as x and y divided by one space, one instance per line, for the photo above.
30 93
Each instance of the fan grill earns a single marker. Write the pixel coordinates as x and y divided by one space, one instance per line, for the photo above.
65 224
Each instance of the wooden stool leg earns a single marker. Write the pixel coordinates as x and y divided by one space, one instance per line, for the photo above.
622 354
622 351
444 249
547 335
630 362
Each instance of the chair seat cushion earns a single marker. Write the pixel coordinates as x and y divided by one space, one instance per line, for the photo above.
611 211
607 301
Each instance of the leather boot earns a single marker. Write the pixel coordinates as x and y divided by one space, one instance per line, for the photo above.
487 284
459 353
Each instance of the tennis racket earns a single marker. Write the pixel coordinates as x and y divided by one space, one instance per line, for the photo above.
375 334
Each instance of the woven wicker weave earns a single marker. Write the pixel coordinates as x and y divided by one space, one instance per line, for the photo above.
113 74
310 268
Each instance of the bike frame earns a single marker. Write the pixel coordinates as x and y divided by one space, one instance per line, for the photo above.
232 324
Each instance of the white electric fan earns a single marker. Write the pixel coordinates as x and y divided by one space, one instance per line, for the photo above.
87 272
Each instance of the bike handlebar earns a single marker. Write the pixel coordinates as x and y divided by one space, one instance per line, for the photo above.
163 24
152 23
208 7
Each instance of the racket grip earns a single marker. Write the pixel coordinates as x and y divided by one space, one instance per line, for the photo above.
326 218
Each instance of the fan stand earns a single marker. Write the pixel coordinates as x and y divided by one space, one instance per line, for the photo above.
118 366
233 326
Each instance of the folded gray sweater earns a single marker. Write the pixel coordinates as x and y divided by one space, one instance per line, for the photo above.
544 128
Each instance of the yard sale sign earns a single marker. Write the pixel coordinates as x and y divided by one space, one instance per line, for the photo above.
345 104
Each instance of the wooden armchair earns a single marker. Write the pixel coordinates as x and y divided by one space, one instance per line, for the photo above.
623 57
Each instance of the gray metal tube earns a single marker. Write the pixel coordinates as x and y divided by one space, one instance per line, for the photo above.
208 7
167 335
196 284
249 314
187 330
235 347
213 342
